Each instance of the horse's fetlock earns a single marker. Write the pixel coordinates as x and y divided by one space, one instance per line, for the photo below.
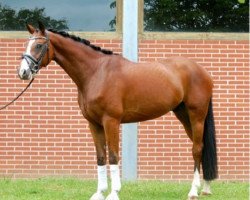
101 160
113 158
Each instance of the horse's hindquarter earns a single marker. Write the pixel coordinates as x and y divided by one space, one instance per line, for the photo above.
151 90
196 81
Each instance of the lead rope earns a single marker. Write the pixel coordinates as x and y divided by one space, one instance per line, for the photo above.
1 108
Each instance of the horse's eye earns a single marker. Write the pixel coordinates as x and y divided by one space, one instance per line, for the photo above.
39 46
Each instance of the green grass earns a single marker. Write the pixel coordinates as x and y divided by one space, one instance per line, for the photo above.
75 189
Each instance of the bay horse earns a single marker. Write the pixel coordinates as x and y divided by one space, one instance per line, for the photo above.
113 90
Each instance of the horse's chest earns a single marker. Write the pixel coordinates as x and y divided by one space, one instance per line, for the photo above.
91 107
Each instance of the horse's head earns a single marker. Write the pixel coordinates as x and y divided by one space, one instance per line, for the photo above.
37 54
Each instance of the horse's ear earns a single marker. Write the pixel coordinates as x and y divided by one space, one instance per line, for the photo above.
30 28
41 27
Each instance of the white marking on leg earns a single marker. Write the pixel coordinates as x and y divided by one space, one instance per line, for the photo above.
206 188
102 178
195 184
115 178
102 183
115 182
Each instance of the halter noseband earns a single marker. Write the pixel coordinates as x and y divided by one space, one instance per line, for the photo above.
34 64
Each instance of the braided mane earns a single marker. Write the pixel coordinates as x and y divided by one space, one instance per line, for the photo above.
83 41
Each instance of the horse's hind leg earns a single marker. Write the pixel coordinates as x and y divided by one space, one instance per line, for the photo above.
194 131
197 115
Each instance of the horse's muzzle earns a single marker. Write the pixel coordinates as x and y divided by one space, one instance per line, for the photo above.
24 74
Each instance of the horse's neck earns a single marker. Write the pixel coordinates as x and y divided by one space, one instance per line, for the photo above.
78 60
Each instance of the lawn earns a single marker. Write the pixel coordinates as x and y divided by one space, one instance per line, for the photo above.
75 189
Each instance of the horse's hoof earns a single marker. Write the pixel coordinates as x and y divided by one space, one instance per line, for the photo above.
193 198
97 196
112 196
203 193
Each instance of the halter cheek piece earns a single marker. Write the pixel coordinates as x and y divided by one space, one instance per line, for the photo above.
34 64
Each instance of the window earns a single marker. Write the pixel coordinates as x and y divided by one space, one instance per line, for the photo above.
74 15
197 15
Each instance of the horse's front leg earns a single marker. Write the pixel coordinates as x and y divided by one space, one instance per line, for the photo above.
100 145
111 127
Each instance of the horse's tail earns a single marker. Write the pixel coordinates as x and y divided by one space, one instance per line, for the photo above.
209 153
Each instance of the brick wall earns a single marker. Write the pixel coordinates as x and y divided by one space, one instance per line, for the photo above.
44 133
